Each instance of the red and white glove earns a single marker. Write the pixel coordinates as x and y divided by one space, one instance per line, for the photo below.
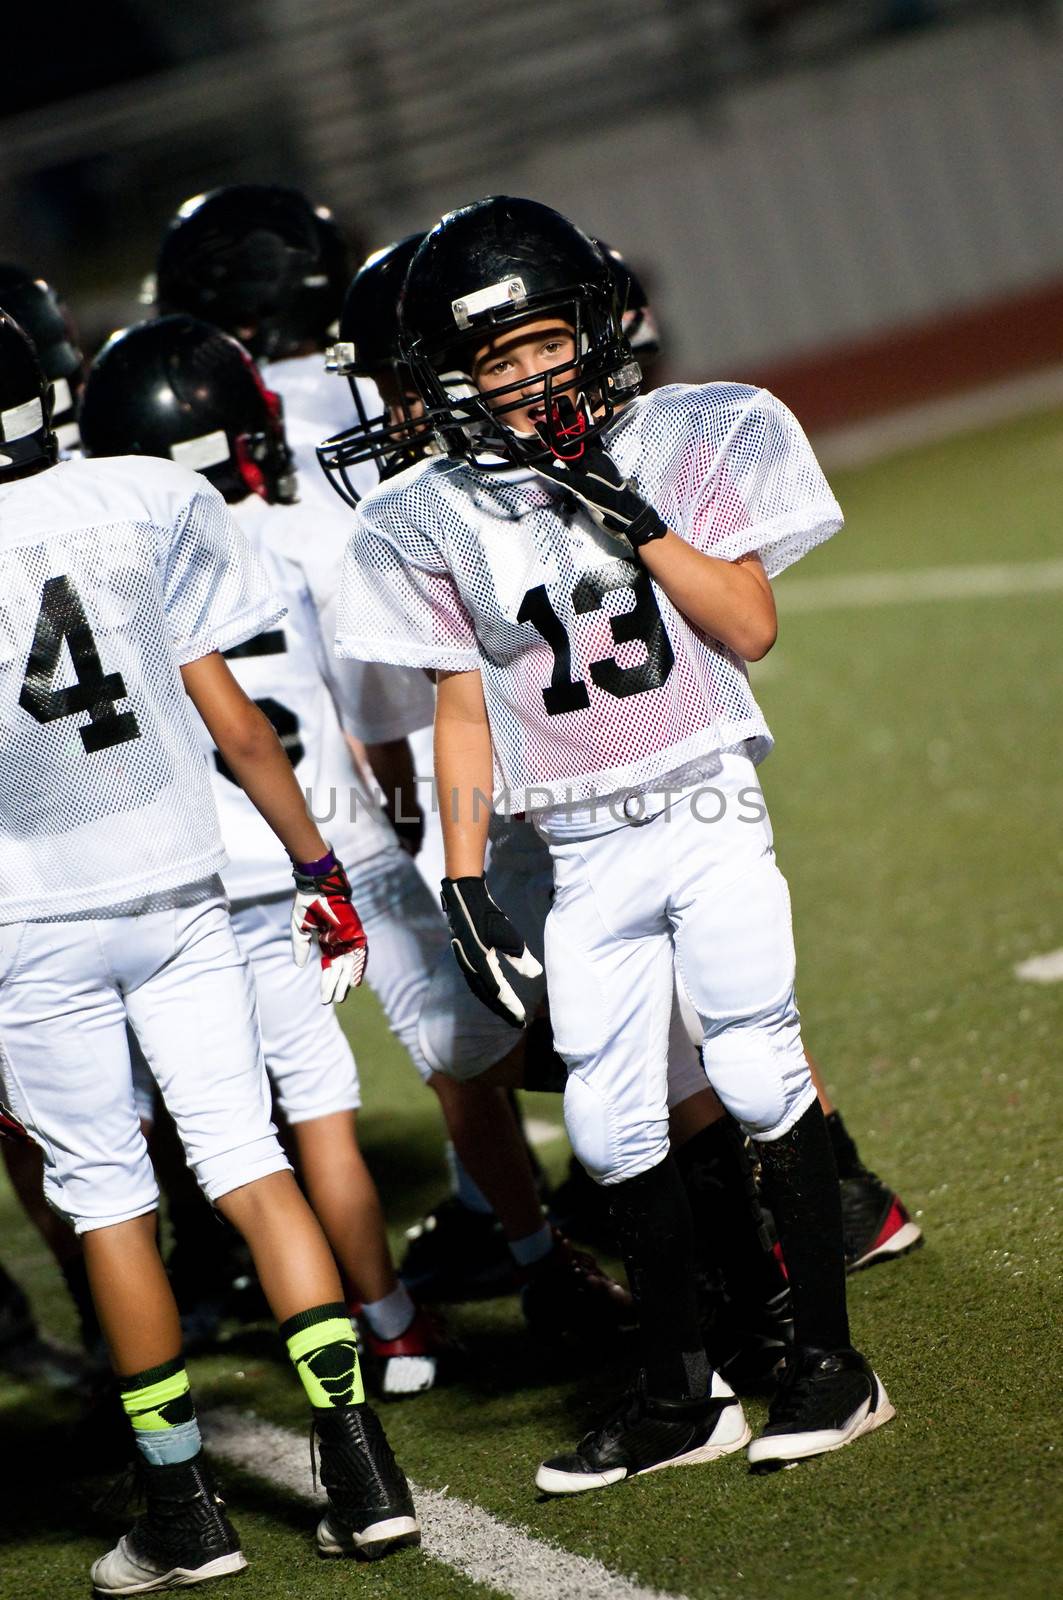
323 912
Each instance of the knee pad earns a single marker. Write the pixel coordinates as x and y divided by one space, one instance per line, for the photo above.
758 1069
610 1147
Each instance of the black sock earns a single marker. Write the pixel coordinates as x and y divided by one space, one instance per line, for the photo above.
846 1155
801 1187
651 1215
729 1230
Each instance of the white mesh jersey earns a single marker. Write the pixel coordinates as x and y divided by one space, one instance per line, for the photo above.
377 702
288 672
318 404
594 682
113 574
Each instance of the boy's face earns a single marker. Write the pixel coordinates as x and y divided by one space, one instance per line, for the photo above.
520 356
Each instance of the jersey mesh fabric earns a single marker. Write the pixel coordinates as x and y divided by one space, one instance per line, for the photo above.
113 574
594 683
286 671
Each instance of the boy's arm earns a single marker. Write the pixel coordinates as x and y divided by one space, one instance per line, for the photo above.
253 752
464 771
256 758
485 942
731 601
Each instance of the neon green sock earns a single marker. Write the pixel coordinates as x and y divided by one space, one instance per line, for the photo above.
159 1405
158 1399
322 1346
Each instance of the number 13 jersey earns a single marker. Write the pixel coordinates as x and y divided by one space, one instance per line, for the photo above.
594 682
113 575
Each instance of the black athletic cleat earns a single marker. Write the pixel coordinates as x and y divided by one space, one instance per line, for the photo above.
457 1254
184 1536
875 1222
370 1510
568 1298
827 1399
644 1434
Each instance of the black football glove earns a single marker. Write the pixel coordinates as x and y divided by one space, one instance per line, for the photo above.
587 471
484 943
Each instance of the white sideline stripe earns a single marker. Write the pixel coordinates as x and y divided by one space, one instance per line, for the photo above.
862 443
1041 969
865 589
460 1535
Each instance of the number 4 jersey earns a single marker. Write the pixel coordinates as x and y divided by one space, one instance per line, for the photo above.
594 683
113 575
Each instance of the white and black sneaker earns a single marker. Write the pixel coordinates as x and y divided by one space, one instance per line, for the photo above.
645 1433
827 1399
370 1510
184 1536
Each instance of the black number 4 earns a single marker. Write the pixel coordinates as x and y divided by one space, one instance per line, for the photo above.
642 622
62 616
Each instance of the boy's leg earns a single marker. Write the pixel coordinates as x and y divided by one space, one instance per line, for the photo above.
609 969
68 1074
197 1025
734 953
315 1080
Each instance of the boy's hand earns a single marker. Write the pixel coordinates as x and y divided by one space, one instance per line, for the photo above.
484 938
589 472
323 911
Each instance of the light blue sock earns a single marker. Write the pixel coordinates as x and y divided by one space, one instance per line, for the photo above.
535 1247
163 1447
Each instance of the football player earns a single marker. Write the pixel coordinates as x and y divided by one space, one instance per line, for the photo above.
589 620
124 580
39 312
452 1250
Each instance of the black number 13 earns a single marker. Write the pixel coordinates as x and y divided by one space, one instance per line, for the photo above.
642 622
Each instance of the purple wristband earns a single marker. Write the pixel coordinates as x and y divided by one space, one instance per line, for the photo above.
317 869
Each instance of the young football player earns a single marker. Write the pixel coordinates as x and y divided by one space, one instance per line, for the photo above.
124 580
590 620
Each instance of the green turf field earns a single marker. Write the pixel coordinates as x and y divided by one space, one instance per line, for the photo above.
917 795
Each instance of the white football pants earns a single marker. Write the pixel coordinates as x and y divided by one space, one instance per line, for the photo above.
178 976
691 893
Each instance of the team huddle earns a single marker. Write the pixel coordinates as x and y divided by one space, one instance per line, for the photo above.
212 668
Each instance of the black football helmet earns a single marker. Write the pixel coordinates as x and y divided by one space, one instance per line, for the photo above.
639 322
259 262
177 387
495 264
38 310
368 347
26 437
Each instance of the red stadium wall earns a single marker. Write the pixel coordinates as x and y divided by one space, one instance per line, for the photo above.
923 361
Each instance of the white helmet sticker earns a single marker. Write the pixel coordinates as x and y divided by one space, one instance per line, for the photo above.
209 450
20 421
61 400
511 292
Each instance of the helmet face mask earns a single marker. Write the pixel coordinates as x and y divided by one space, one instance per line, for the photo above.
183 390
395 435
498 264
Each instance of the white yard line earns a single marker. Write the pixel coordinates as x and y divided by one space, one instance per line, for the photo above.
984 407
864 589
1041 969
540 1132
461 1535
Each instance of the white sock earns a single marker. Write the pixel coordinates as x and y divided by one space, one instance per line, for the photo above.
526 1252
392 1315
